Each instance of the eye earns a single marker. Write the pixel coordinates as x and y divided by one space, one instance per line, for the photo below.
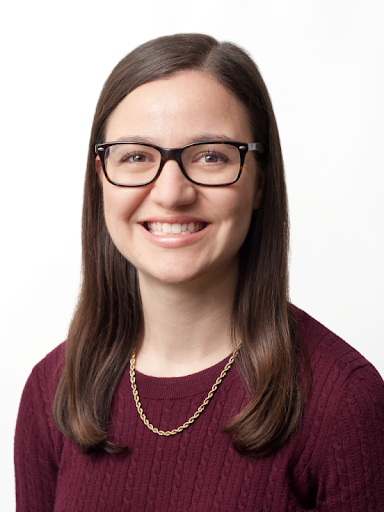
134 158
211 157
132 155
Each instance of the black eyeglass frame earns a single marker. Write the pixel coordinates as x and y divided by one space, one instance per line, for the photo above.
175 154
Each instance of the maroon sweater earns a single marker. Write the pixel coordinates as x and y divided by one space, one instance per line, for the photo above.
334 462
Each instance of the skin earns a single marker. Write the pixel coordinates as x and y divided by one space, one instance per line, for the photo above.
187 283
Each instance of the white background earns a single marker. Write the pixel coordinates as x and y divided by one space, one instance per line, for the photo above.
323 64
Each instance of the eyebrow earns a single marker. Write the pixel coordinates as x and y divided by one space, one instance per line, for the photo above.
191 140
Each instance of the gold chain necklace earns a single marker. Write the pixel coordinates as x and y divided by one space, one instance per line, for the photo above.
197 413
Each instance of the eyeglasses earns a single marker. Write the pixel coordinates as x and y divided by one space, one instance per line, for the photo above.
211 164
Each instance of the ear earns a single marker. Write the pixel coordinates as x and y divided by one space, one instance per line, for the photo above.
98 166
99 169
260 180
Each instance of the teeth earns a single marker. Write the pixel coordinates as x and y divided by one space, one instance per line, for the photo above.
167 228
176 229
158 228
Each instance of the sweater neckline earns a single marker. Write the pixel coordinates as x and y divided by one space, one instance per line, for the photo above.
170 388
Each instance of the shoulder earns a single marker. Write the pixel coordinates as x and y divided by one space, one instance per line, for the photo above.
339 372
342 430
53 361
40 389
344 383
329 355
46 374
38 443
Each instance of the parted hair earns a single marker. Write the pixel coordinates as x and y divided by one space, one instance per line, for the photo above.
108 317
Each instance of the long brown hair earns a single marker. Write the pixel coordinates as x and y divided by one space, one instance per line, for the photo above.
108 317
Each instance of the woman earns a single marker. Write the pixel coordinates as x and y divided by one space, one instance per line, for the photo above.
186 289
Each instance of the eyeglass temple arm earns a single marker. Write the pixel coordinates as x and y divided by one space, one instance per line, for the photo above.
257 146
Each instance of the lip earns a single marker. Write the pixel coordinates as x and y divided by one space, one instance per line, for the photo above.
179 219
173 240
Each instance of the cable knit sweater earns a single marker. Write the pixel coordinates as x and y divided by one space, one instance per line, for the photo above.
334 462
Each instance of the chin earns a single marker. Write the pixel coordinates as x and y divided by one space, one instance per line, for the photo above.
171 277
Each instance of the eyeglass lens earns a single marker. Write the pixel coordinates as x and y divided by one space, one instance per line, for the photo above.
208 164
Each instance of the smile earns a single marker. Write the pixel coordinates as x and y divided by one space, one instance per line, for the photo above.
161 229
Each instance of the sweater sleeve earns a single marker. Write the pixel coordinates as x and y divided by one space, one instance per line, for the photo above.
35 461
352 469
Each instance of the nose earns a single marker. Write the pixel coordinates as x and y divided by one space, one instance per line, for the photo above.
172 189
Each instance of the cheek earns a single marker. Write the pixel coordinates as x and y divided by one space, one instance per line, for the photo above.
235 210
237 202
120 205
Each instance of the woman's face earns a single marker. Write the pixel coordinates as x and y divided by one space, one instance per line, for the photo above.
188 107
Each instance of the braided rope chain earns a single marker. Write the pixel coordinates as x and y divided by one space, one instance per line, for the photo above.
197 413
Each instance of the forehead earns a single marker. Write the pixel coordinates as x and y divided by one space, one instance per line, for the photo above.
183 106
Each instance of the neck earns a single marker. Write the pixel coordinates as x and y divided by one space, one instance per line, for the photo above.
186 326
